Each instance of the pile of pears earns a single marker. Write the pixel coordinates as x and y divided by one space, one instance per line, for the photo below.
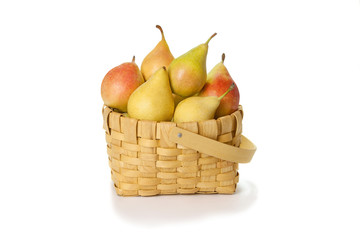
171 89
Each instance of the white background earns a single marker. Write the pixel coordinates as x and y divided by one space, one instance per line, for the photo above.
297 65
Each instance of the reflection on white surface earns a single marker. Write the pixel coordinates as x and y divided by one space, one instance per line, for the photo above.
176 208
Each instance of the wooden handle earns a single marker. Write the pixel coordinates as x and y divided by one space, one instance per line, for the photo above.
242 154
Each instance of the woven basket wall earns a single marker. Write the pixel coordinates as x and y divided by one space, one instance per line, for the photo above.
144 161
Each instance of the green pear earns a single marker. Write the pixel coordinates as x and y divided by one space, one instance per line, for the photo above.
153 100
187 73
158 57
195 109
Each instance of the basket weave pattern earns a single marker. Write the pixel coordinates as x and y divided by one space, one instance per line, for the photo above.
144 162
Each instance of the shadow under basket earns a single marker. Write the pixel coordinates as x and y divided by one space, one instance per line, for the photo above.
151 158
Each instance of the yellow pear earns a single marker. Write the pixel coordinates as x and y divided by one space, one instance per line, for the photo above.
195 109
153 100
158 57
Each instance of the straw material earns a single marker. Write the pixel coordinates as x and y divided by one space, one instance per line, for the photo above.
146 159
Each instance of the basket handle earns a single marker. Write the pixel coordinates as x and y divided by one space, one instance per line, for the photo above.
241 154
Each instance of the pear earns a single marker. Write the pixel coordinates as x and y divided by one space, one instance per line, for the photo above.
218 80
187 73
153 100
158 57
194 109
119 83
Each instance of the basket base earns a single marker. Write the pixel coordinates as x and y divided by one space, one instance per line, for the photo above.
153 192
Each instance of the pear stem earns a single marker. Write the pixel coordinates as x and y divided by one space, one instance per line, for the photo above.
162 32
230 88
223 57
207 42
133 60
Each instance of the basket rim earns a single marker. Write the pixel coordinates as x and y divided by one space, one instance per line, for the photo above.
114 110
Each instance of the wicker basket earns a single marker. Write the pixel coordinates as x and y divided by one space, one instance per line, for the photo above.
151 158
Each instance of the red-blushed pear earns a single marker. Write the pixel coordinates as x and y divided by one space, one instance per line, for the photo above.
218 80
158 57
119 83
187 73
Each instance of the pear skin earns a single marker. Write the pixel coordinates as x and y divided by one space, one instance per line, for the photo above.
187 73
158 57
195 109
218 80
119 83
153 100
